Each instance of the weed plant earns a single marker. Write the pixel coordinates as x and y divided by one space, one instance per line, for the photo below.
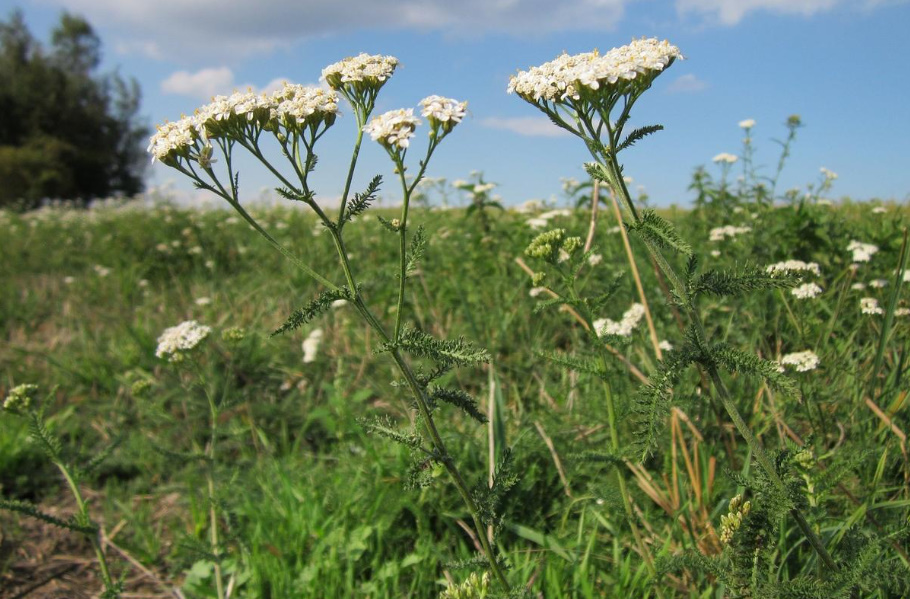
665 497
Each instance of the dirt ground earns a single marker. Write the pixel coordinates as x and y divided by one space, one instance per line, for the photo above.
41 561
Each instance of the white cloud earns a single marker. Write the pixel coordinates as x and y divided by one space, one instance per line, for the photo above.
203 84
530 126
232 28
731 12
686 84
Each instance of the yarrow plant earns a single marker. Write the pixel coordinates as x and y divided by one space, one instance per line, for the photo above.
295 118
591 96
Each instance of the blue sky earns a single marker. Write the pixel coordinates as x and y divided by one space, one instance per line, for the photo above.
839 64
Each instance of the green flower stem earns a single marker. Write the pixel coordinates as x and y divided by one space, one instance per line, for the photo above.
732 411
83 513
361 121
441 453
210 480
407 190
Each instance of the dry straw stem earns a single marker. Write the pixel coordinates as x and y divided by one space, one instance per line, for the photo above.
655 342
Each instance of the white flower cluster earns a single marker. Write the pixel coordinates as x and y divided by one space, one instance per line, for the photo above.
869 305
726 158
747 124
862 252
879 210
829 175
569 75
806 291
623 328
802 361
292 107
175 341
310 346
794 266
393 129
543 219
444 112
721 233
363 69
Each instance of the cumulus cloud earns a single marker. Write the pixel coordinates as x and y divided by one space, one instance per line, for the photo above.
231 28
686 84
529 126
731 12
205 83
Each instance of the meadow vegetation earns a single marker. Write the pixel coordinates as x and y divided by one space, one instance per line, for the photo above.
534 401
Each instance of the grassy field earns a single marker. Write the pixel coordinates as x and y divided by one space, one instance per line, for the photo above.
311 505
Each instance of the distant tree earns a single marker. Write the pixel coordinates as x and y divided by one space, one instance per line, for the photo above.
65 130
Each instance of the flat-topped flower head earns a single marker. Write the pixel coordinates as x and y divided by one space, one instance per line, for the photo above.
224 115
725 158
173 140
176 341
619 71
806 291
442 113
802 361
747 124
360 73
794 266
299 106
393 129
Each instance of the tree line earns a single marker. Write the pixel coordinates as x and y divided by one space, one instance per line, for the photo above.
66 130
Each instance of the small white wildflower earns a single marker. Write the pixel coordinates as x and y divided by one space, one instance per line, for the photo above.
102 271
747 124
665 345
906 275
721 233
862 252
564 78
595 259
802 361
879 210
878 283
902 312
535 291
360 71
869 305
726 158
858 286
794 266
624 328
443 112
175 341
69 280
537 223
829 175
806 291
393 129
715 253
203 301
311 346
339 303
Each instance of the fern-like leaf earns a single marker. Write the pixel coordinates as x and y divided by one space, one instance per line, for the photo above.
570 362
30 509
456 352
735 360
459 399
321 303
294 196
362 201
385 428
661 233
746 279
637 135
416 251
